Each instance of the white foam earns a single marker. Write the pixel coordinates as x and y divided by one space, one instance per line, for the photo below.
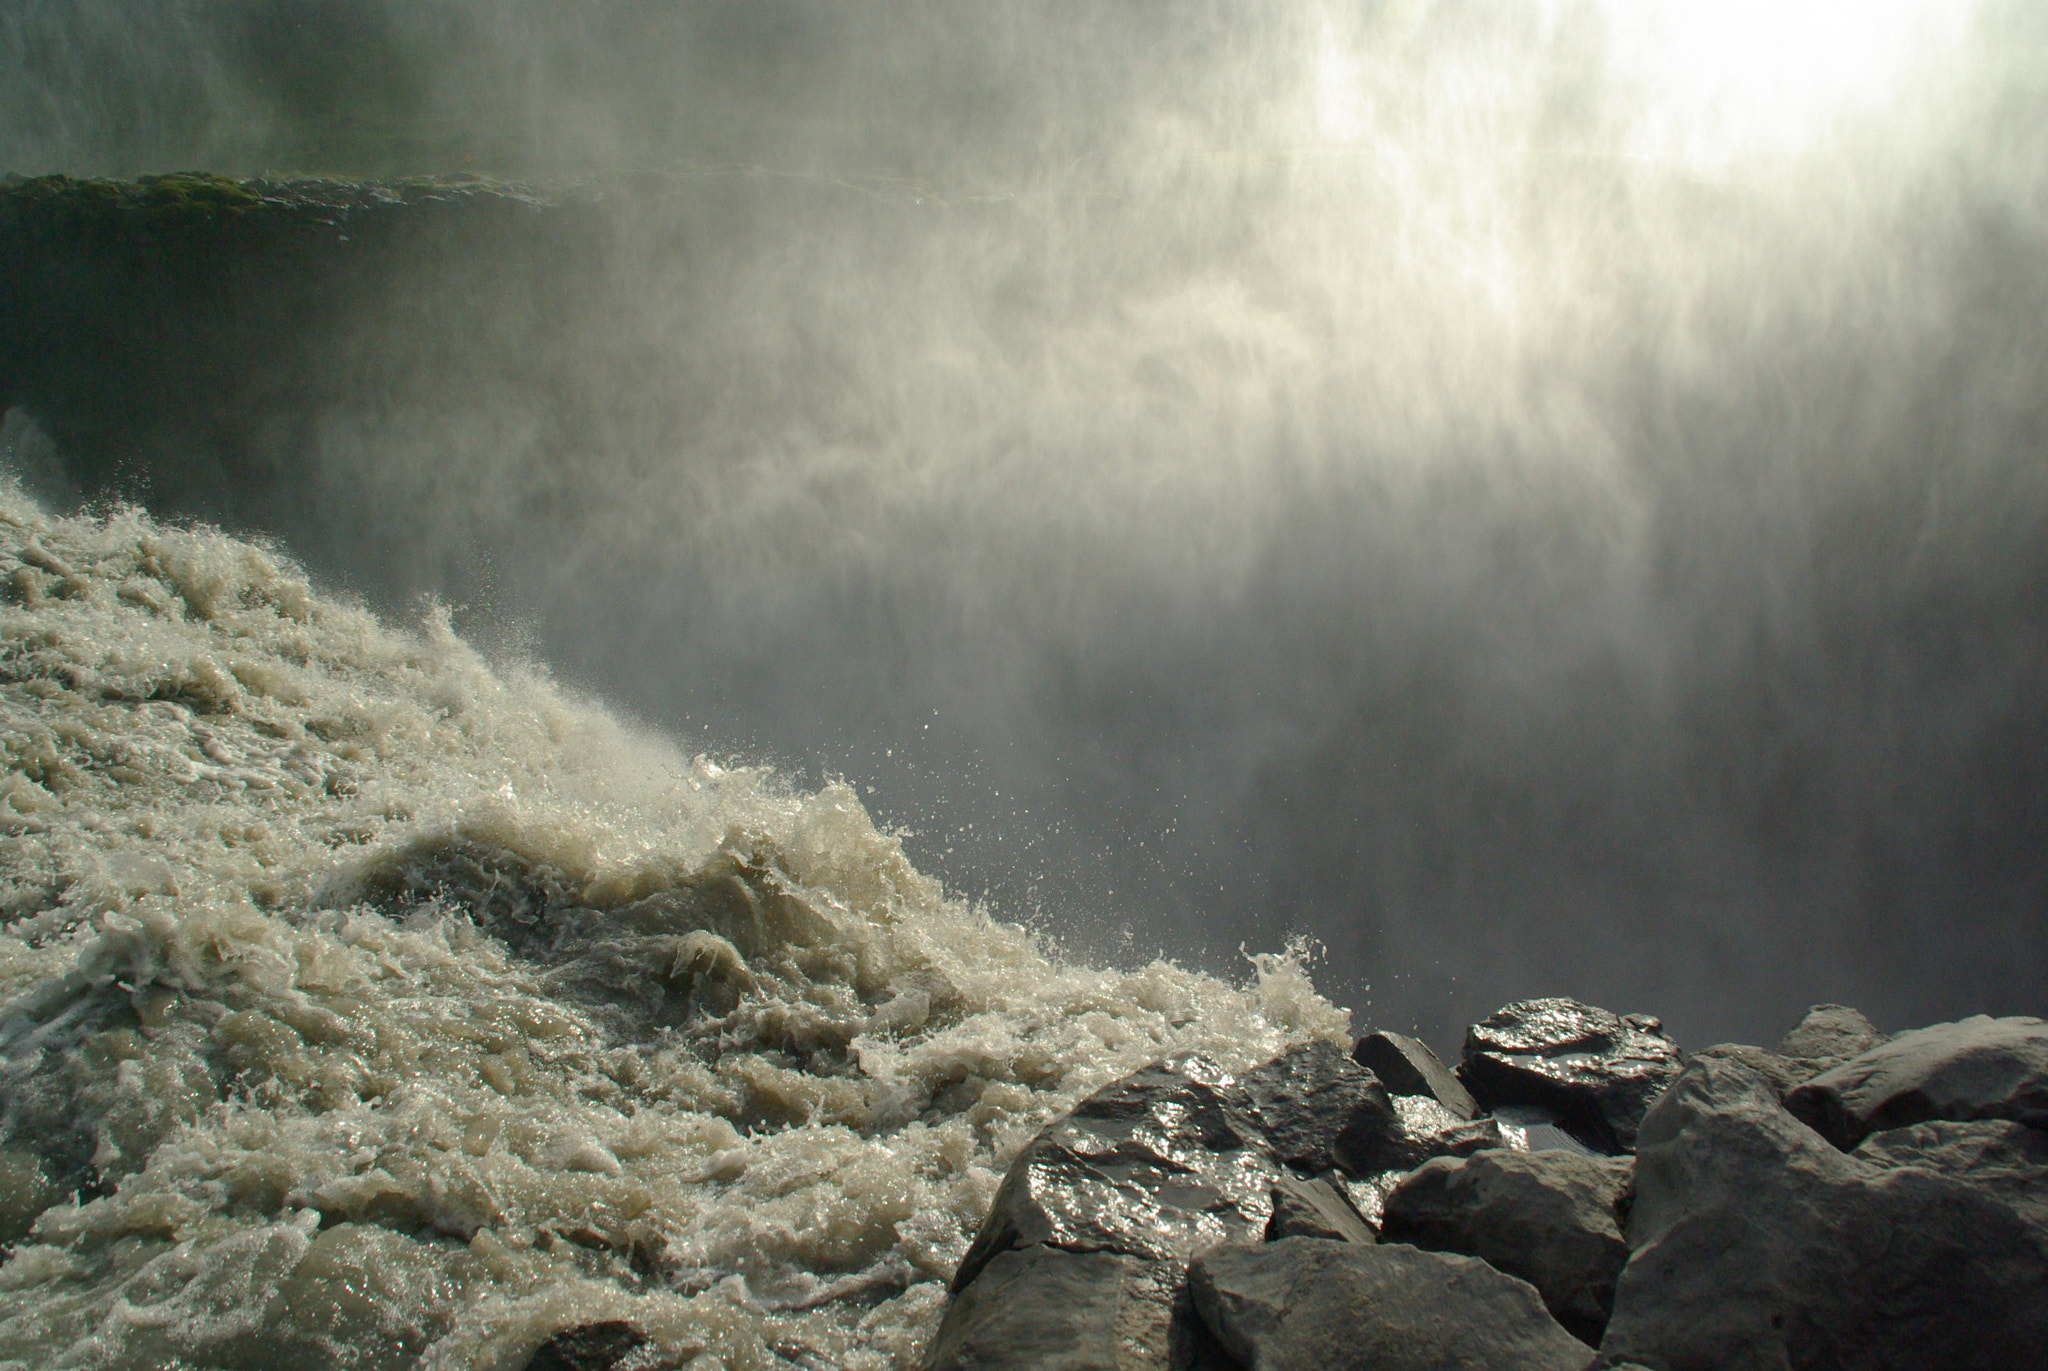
261 859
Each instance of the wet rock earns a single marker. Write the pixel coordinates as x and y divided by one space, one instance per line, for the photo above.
1552 1218
1046 1309
2010 1160
1426 1129
1528 1128
1981 1068
1756 1244
1406 1066
1316 1108
1829 1035
1314 1208
589 1347
1306 1302
1597 1070
1157 1165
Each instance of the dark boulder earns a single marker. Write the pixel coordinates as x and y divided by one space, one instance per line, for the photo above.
1406 1066
1756 1244
1599 1071
1157 1165
1308 1303
1314 1208
1044 1309
1829 1035
588 1347
1981 1068
1316 1108
1551 1218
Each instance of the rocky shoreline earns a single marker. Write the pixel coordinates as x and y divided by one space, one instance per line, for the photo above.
1578 1194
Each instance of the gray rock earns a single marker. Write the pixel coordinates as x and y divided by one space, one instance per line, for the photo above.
1157 1165
1314 1208
1981 1068
1314 1105
1043 1309
2008 1159
1551 1218
1597 1070
1406 1066
1829 1035
1784 1073
1305 1303
1755 1244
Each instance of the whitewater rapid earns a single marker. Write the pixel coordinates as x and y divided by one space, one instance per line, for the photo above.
365 1006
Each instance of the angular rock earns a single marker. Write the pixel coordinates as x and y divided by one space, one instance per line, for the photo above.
1829 1035
1157 1165
1314 1105
1406 1066
1981 1068
1755 1244
1551 1218
1427 1129
1309 1303
2010 1160
1597 1070
1044 1309
1784 1073
588 1347
1314 1208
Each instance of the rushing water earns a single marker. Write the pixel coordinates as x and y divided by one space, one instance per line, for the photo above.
367 1006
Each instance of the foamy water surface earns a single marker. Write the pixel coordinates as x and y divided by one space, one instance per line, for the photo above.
364 1006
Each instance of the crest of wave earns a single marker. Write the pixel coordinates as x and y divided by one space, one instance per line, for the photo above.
364 1007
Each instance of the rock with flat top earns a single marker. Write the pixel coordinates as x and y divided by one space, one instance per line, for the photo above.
1980 1068
1597 1070
1308 1303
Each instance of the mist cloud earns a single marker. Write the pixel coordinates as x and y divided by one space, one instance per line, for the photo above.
1401 472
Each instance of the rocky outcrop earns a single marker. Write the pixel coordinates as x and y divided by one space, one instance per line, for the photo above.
1313 1214
1981 1068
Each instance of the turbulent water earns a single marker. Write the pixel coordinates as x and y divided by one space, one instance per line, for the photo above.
366 1006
